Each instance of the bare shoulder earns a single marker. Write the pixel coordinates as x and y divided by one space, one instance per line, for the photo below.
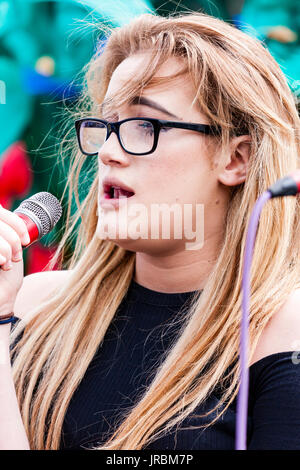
282 333
36 288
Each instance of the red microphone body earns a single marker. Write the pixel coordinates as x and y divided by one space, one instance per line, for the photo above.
40 213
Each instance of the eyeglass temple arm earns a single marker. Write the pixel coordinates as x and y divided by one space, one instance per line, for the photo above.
205 128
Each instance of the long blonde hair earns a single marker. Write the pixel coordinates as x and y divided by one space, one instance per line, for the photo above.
239 87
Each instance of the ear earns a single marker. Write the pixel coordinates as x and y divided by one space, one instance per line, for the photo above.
234 170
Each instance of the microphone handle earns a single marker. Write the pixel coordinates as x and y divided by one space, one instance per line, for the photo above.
31 227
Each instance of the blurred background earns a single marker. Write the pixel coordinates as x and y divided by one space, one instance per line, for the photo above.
44 46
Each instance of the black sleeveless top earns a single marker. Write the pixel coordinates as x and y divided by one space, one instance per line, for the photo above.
123 368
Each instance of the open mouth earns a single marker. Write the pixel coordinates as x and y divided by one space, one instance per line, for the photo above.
116 192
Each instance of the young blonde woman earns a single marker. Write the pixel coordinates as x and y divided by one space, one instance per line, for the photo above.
135 344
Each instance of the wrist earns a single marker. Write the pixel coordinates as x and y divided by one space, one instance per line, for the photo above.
4 346
5 323
6 318
5 332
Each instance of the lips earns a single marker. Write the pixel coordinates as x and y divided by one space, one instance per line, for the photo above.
116 189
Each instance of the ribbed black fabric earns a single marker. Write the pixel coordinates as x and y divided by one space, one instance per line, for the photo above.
123 368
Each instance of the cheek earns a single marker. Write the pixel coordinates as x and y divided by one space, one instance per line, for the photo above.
180 177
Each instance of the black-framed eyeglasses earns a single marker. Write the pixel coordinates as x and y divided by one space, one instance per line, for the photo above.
137 136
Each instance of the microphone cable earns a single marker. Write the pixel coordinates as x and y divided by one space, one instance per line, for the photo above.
286 186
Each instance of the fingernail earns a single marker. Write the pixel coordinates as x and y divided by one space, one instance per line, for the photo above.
18 256
2 259
26 239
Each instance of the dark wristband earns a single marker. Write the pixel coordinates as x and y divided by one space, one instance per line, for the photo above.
9 318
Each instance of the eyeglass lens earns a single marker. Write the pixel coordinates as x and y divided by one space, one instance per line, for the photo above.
137 136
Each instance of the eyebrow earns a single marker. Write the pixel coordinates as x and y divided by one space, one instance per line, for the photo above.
152 104
140 100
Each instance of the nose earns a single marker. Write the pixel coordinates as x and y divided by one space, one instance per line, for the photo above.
111 152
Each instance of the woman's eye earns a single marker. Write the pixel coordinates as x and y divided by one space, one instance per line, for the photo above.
147 126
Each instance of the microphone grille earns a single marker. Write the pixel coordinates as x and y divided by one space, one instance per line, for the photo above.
44 208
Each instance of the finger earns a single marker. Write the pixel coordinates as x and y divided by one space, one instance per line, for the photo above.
16 223
11 247
6 252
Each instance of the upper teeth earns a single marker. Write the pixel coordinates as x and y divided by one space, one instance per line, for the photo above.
117 191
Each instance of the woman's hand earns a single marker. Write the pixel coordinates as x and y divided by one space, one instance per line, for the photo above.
13 235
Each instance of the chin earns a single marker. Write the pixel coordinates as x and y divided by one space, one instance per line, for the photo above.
135 235
147 246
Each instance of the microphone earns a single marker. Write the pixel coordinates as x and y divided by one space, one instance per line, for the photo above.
286 186
40 212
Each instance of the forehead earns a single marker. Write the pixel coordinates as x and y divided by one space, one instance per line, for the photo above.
181 87
129 66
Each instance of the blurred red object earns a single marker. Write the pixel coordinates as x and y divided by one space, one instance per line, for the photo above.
38 256
16 174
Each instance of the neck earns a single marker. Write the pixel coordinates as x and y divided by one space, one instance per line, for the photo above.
181 271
